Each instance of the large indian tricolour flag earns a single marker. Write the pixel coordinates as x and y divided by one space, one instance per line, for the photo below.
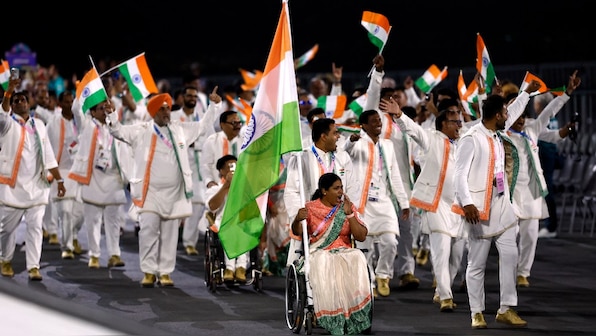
90 90
377 26
483 64
138 77
273 129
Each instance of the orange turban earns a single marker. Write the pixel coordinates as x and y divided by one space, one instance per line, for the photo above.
157 101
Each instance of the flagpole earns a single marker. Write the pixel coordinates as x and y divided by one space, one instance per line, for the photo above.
117 66
380 52
103 87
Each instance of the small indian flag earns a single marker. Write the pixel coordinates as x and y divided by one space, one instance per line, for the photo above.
377 27
251 79
431 78
484 65
357 105
139 79
306 57
90 90
348 128
543 88
464 94
334 106
4 74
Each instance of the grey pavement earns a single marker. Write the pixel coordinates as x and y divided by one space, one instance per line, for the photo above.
559 301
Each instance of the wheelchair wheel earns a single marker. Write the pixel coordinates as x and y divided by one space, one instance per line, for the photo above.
207 262
295 299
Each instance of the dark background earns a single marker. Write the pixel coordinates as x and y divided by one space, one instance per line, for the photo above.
223 36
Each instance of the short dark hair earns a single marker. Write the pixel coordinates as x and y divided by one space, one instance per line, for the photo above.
492 105
313 112
222 161
320 127
224 115
446 103
23 93
442 117
410 111
363 119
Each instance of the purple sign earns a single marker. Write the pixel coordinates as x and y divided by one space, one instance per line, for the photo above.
20 55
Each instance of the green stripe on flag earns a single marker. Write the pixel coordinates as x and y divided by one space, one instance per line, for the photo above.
137 95
94 99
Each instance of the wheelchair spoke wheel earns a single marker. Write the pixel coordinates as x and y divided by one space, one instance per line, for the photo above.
295 299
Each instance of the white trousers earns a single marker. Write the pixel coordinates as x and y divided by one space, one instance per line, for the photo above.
527 240
477 256
386 244
50 217
190 231
240 261
445 253
109 216
405 256
158 241
10 218
70 214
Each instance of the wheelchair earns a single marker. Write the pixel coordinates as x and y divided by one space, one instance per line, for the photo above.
298 296
215 265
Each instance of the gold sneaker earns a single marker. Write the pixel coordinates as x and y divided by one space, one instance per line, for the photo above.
478 321
7 270
240 274
148 280
77 247
166 281
447 305
511 318
191 251
67 254
383 287
115 261
408 281
93 262
522 281
228 275
436 298
34 274
53 239
422 257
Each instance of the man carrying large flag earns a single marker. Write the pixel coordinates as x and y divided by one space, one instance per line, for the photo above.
272 130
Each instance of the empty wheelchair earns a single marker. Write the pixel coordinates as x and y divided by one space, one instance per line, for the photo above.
299 304
215 265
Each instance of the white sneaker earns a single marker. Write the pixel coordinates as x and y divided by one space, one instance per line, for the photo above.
544 233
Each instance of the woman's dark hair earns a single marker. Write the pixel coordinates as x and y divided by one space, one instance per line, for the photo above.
325 182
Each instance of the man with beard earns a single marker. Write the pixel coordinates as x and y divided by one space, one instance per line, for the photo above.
188 112
482 199
160 184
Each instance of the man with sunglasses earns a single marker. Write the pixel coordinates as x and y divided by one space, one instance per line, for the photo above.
433 193
227 141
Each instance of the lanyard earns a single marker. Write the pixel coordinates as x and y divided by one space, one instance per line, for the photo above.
24 122
523 134
381 158
162 137
320 227
99 132
320 160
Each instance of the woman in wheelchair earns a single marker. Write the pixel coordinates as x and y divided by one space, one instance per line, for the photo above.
216 197
338 276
